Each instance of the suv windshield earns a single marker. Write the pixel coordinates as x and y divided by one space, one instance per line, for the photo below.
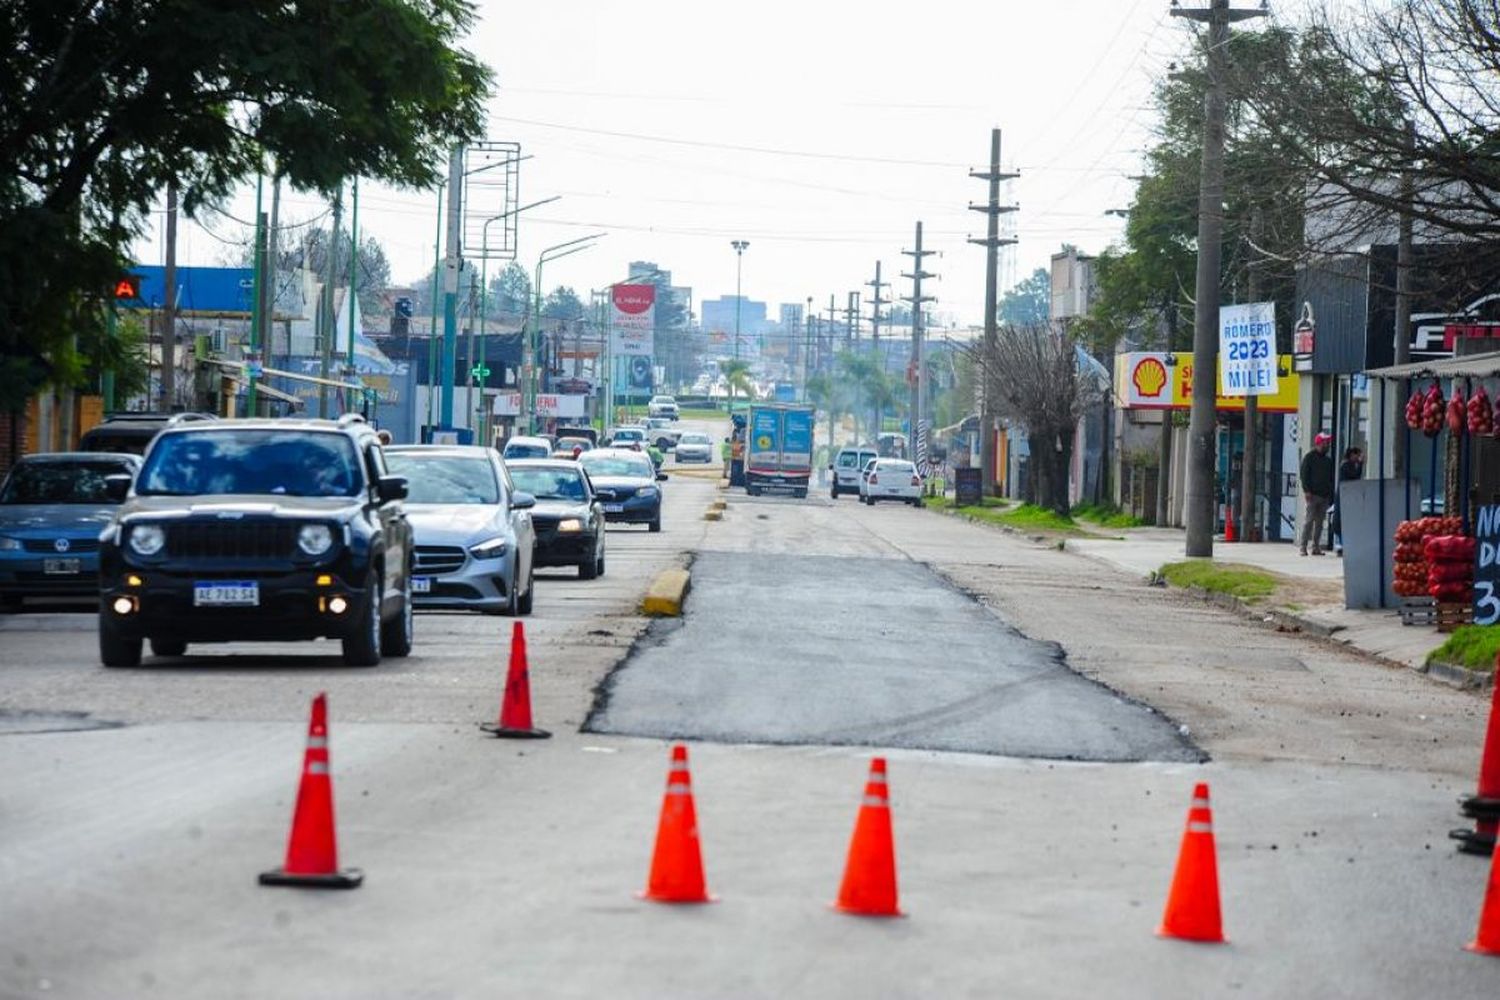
296 463
445 478
549 484
616 465
60 482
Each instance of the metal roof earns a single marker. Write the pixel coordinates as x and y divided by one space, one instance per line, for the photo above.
1474 366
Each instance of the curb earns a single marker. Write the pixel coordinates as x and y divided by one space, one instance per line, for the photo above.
1459 677
667 592
713 514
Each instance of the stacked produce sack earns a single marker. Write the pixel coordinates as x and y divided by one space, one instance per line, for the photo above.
1450 573
1412 577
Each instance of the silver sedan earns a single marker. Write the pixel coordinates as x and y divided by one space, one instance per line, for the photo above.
472 529
695 447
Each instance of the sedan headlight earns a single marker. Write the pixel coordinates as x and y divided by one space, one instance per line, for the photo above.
646 491
570 525
9 544
147 539
315 539
492 549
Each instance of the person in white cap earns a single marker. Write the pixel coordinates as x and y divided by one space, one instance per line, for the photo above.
1317 490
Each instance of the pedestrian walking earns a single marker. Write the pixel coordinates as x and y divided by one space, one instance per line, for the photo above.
1350 469
1316 475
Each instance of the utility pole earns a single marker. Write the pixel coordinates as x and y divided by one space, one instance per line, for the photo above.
1249 530
1202 426
992 244
919 383
875 317
451 264
1402 333
833 321
851 320
169 307
330 317
261 338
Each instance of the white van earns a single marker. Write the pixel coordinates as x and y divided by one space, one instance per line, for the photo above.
846 467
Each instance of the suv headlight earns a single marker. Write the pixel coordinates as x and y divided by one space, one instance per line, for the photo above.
9 544
646 491
147 539
494 548
569 525
315 539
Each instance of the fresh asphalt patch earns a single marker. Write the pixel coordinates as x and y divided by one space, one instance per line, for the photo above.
866 652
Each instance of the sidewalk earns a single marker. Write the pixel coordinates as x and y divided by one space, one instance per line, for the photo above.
1317 585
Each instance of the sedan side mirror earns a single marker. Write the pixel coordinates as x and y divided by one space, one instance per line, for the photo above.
522 501
117 487
661 477
392 488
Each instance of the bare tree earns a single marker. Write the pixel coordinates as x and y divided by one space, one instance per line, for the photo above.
1037 378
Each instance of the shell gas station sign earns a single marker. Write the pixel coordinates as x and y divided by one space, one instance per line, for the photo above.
1162 380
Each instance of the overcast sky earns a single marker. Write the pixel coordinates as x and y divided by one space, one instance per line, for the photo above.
820 132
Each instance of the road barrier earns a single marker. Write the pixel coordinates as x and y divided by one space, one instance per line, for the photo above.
677 861
312 854
1193 903
869 885
515 705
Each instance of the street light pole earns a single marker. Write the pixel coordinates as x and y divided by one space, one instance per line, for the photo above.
740 246
528 362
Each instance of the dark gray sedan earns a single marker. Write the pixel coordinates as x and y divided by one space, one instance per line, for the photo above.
568 517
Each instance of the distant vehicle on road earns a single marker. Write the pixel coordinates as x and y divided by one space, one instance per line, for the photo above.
583 431
864 475
472 529
52 509
626 437
663 406
258 530
893 479
891 445
846 468
527 446
626 484
568 518
660 433
571 447
695 447
134 432
778 451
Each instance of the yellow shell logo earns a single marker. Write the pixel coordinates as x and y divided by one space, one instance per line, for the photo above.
1150 378
763 442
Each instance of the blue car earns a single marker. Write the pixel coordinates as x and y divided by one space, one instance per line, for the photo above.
52 509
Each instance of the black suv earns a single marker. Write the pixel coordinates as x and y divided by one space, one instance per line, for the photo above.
258 530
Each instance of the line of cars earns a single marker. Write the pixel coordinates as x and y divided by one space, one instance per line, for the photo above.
301 529
861 471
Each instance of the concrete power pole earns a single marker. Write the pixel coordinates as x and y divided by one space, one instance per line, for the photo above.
330 315
169 308
1202 426
851 320
917 299
992 244
1402 333
452 262
876 317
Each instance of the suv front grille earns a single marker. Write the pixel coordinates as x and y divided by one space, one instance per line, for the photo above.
231 540
439 559
48 545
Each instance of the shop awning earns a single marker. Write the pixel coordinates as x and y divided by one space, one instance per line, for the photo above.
1474 366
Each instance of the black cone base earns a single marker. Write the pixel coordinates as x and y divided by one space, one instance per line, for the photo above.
507 733
1473 842
347 878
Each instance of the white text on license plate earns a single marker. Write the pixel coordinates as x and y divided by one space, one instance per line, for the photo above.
614 508
421 585
55 567
226 594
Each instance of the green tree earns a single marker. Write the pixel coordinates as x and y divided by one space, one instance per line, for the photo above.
562 303
1029 300
310 251
510 291
103 104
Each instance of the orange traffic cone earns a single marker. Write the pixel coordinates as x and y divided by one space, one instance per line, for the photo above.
869 886
515 706
1229 533
1484 805
1487 937
1193 904
677 863
312 856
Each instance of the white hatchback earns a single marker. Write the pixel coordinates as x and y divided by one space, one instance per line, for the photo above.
893 479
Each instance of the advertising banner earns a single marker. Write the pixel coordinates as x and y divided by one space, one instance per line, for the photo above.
1487 566
508 404
1247 349
1157 380
633 320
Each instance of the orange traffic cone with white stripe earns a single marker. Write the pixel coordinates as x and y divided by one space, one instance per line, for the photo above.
677 863
515 706
1193 904
1487 937
869 886
312 855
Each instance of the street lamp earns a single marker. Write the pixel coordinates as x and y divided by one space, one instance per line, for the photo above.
740 246
528 364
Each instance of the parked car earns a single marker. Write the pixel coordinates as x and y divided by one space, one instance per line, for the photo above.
134 432
846 468
893 479
660 433
571 447
663 406
626 484
626 437
568 517
269 530
864 476
695 447
527 446
52 509
474 537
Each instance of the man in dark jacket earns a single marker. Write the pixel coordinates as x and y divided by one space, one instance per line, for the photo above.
1317 491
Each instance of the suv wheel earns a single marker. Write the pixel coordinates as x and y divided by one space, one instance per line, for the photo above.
168 647
396 635
524 601
116 649
589 569
362 646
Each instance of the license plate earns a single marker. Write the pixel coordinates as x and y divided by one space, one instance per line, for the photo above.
61 567
614 508
226 594
421 585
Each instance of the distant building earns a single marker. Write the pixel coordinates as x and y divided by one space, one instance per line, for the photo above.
1073 285
719 323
